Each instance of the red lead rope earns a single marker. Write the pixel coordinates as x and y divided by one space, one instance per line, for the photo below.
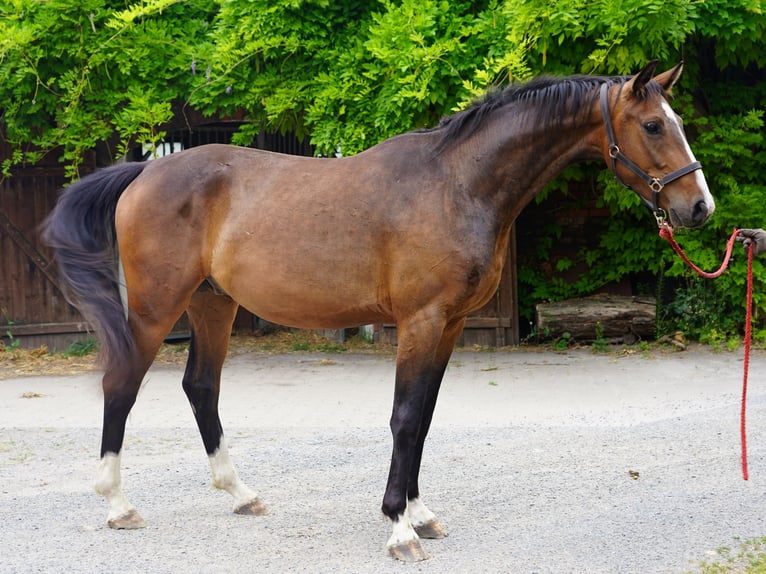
666 232
746 367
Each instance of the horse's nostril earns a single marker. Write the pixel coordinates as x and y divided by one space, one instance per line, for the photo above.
700 212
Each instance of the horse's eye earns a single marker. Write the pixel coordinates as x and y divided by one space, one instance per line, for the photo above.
653 127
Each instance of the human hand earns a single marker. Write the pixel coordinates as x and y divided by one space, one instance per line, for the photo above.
754 237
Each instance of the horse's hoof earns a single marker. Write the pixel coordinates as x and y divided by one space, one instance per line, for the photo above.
411 551
131 520
431 529
253 508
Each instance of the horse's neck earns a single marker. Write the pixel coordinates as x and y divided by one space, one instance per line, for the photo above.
512 159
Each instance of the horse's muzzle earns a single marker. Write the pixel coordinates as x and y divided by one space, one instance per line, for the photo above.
696 217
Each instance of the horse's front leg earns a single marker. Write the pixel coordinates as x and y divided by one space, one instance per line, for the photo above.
211 317
425 522
421 360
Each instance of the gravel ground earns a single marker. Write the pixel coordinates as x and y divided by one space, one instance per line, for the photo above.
537 462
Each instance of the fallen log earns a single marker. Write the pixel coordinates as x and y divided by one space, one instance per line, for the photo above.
615 317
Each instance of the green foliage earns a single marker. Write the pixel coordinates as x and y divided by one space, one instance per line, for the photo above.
412 61
75 76
350 74
562 343
749 557
601 343
13 342
699 312
81 348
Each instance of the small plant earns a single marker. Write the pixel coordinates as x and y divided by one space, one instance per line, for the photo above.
14 343
562 342
601 344
301 346
749 558
331 348
80 348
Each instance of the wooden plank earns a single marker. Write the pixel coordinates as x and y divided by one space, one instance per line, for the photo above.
44 328
29 250
488 322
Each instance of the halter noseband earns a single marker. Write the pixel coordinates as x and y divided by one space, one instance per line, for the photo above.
655 183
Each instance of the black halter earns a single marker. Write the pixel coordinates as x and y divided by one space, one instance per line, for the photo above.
655 183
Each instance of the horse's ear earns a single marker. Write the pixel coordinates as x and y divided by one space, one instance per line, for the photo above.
668 79
637 84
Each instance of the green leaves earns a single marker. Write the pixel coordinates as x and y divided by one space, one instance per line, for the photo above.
72 74
107 74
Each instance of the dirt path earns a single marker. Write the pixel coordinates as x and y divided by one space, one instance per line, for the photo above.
537 462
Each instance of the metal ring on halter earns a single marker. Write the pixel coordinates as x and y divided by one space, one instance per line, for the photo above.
656 185
614 151
661 217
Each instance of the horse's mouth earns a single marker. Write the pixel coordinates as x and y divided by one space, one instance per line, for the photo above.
697 218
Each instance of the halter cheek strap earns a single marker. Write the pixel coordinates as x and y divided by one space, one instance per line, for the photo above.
655 183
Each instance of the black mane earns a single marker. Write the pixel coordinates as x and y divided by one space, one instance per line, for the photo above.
553 99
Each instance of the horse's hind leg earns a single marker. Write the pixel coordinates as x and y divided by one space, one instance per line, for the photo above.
211 316
121 383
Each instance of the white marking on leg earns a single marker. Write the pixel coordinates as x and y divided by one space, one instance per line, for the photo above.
109 485
403 532
418 513
225 477
698 175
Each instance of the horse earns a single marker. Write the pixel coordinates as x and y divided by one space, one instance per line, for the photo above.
412 231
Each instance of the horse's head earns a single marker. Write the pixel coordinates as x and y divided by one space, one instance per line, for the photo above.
647 149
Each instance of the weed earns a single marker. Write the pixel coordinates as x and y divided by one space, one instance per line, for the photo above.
601 344
748 558
562 342
14 342
80 348
331 348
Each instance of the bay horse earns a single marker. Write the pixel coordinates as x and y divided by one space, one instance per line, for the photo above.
412 231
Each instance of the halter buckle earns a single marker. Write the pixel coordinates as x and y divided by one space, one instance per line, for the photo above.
656 185
614 151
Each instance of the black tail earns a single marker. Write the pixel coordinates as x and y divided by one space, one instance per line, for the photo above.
80 230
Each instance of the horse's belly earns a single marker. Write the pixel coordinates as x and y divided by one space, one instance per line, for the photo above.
308 296
310 312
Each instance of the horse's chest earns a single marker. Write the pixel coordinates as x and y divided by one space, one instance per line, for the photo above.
484 279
